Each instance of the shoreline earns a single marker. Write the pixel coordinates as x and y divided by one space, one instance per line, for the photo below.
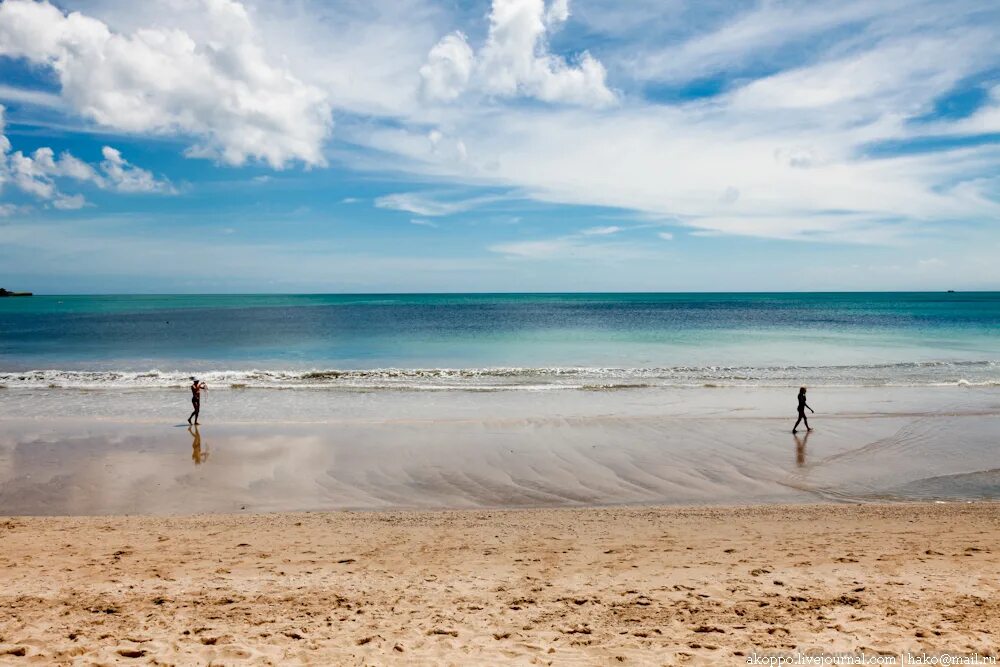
696 584
414 510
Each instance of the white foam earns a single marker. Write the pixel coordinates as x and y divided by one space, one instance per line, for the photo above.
925 373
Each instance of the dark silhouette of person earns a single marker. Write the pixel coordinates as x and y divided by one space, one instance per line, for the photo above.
196 389
197 455
800 449
802 411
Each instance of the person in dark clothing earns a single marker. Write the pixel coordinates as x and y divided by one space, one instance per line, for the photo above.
196 389
802 411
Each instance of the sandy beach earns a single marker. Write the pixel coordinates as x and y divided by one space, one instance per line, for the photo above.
553 586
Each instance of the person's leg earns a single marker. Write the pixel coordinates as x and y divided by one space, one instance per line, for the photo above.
801 417
806 421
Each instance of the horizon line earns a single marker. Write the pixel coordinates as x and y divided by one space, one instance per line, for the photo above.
515 293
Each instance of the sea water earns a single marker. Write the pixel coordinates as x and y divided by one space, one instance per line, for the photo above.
512 341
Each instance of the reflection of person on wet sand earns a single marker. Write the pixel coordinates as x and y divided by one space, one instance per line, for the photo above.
802 411
196 388
196 454
800 448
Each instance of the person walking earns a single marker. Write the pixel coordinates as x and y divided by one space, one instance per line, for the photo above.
196 389
802 411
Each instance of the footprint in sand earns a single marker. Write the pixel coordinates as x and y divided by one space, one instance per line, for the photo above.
131 652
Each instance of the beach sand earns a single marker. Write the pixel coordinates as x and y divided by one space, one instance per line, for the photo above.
537 586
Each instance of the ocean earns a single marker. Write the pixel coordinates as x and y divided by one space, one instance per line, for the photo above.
501 341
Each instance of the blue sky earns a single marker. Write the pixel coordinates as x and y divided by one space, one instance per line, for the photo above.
504 145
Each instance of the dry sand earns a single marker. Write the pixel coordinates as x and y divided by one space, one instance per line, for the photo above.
590 586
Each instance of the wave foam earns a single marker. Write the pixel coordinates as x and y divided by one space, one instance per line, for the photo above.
934 373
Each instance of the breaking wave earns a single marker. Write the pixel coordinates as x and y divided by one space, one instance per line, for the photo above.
934 373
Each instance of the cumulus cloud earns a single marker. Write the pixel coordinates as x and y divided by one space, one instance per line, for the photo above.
515 60
221 91
121 176
37 174
448 69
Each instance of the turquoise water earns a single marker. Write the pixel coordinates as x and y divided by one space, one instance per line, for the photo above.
507 340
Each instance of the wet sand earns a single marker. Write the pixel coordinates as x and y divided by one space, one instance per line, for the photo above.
467 450
579 586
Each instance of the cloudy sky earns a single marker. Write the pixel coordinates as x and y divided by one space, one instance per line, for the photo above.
518 145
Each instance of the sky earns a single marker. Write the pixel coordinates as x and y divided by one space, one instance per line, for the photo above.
505 145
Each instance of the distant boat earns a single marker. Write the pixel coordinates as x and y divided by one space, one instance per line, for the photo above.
951 291
4 292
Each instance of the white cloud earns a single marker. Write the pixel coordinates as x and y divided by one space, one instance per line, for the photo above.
423 223
601 231
791 154
69 202
571 247
535 249
448 69
666 236
36 174
789 149
557 12
897 75
593 243
121 176
222 91
33 97
761 37
423 205
515 60
28 176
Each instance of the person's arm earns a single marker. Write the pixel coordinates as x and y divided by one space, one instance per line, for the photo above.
810 409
